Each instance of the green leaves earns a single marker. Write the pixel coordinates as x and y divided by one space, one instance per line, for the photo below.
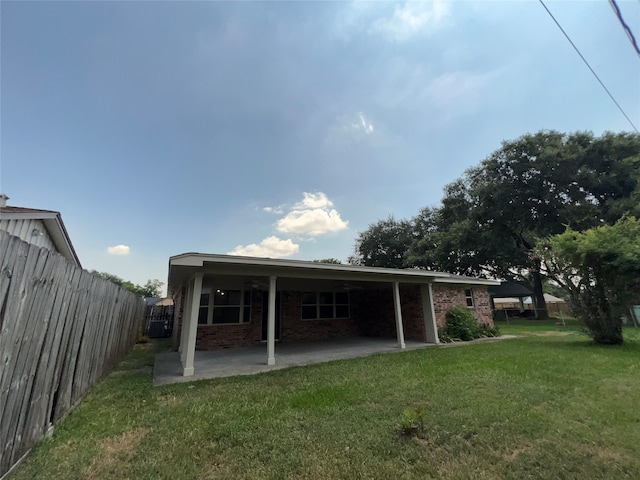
491 218
600 270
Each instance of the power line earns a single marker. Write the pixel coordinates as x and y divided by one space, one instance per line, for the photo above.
589 67
626 28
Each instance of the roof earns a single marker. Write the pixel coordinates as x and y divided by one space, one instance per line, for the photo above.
509 289
53 223
548 298
183 266
501 300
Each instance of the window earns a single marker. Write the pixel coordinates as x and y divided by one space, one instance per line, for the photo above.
204 308
225 306
468 293
325 305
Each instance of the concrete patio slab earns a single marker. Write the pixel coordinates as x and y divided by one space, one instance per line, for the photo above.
253 359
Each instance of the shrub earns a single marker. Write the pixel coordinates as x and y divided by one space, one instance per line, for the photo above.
487 330
462 325
412 422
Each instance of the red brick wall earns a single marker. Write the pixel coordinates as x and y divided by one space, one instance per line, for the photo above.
213 337
292 327
178 308
372 314
375 313
448 296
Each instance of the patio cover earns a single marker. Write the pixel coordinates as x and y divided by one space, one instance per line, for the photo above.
188 270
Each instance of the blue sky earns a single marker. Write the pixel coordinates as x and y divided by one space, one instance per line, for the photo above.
282 129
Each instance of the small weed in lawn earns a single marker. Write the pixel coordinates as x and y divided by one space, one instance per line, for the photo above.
412 422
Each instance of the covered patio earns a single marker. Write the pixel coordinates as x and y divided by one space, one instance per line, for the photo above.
245 315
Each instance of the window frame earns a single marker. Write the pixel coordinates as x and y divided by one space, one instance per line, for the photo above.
469 298
245 307
321 305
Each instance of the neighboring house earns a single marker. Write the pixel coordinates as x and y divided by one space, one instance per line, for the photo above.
43 228
509 296
224 301
554 304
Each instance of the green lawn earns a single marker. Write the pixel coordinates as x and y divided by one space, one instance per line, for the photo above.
548 404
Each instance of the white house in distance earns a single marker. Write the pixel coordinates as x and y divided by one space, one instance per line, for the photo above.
42 228
224 301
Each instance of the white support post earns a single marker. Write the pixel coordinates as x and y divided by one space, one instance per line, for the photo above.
190 353
271 323
430 325
186 315
396 304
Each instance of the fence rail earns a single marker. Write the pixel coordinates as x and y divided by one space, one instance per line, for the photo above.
61 330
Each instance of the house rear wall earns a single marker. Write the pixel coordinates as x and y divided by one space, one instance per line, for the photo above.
449 296
372 314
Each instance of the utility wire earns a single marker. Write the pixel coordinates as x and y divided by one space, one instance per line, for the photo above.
589 66
626 28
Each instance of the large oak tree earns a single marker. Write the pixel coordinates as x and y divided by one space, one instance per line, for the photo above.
491 218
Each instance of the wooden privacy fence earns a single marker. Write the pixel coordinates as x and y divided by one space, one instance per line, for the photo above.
61 330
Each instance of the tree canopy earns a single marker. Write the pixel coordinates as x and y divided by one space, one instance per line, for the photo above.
331 260
600 271
491 218
150 289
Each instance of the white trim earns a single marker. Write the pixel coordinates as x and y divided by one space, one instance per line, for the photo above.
430 324
211 290
188 367
55 228
470 296
251 266
398 310
186 315
271 322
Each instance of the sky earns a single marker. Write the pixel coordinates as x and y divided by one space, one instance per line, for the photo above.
282 129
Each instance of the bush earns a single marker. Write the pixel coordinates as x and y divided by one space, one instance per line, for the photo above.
462 325
489 331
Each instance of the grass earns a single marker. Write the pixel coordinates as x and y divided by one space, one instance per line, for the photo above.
548 404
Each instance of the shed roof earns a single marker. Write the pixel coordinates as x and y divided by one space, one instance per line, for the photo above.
53 223
509 289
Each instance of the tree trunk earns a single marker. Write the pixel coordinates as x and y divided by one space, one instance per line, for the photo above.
539 302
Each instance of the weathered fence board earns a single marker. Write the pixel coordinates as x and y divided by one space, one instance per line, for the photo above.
61 330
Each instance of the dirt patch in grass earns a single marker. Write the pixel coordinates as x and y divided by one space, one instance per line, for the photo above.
168 401
114 452
552 334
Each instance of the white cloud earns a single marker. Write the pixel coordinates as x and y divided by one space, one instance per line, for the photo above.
312 216
363 125
350 127
272 247
313 200
276 210
118 250
412 18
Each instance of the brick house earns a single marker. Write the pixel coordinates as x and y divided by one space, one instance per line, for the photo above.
224 301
